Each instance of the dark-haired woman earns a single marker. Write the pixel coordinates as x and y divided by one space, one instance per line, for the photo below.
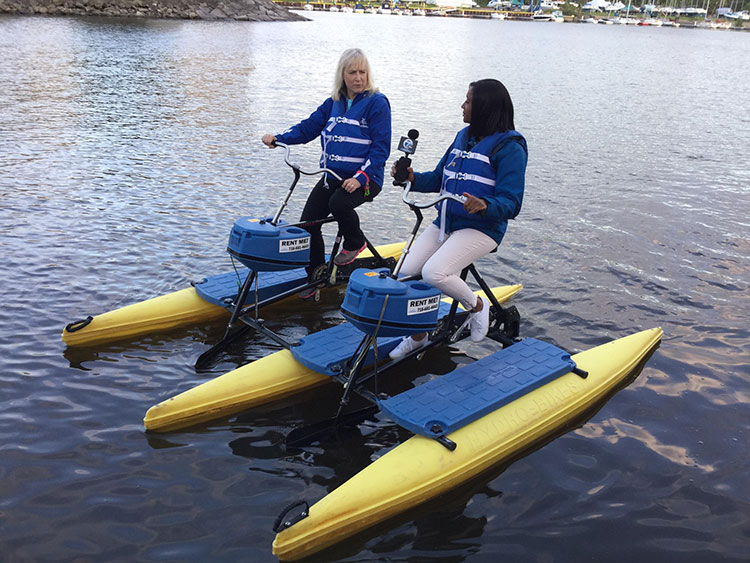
486 163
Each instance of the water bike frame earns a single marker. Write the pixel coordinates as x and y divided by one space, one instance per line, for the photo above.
245 311
504 329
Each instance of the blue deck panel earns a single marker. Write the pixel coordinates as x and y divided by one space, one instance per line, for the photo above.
327 351
216 289
470 392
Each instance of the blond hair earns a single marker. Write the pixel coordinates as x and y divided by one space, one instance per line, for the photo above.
351 57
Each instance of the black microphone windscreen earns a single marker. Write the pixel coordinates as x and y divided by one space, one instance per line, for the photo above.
413 134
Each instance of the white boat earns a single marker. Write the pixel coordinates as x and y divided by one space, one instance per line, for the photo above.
307 7
333 8
557 17
540 16
346 10
590 20
419 12
497 16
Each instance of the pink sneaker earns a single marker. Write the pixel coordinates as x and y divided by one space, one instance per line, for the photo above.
308 293
347 256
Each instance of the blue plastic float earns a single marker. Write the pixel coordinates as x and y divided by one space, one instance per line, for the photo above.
264 247
377 303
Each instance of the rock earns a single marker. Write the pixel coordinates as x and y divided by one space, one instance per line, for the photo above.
241 10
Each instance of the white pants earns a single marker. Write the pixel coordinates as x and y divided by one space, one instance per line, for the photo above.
441 263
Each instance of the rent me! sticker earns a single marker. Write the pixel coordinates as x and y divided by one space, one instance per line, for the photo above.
294 244
425 305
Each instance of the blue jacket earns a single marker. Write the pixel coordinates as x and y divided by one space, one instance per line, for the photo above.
352 141
493 169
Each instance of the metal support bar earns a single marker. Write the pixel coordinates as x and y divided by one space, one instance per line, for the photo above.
258 325
354 370
241 300
276 217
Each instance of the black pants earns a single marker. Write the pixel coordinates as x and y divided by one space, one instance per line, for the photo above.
338 202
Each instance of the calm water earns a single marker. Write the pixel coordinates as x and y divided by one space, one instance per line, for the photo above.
128 148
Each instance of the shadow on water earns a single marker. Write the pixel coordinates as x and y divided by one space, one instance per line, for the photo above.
447 508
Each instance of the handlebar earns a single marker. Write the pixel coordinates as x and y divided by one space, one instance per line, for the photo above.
459 198
417 209
296 167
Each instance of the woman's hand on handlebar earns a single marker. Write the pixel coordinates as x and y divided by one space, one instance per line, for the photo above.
474 204
410 170
351 185
269 140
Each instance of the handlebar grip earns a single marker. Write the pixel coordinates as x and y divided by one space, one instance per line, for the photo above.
402 171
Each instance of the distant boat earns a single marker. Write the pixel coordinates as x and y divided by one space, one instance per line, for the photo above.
385 8
497 16
307 7
333 8
359 9
540 16
346 10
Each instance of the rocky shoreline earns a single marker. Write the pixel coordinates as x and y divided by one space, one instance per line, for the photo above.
241 10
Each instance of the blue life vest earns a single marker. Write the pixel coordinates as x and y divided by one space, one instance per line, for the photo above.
345 139
471 171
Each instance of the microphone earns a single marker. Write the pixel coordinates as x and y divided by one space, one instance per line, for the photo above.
407 145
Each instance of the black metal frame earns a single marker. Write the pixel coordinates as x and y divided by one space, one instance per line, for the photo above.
334 275
504 329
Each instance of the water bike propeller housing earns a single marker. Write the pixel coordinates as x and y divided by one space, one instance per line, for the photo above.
265 247
377 303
